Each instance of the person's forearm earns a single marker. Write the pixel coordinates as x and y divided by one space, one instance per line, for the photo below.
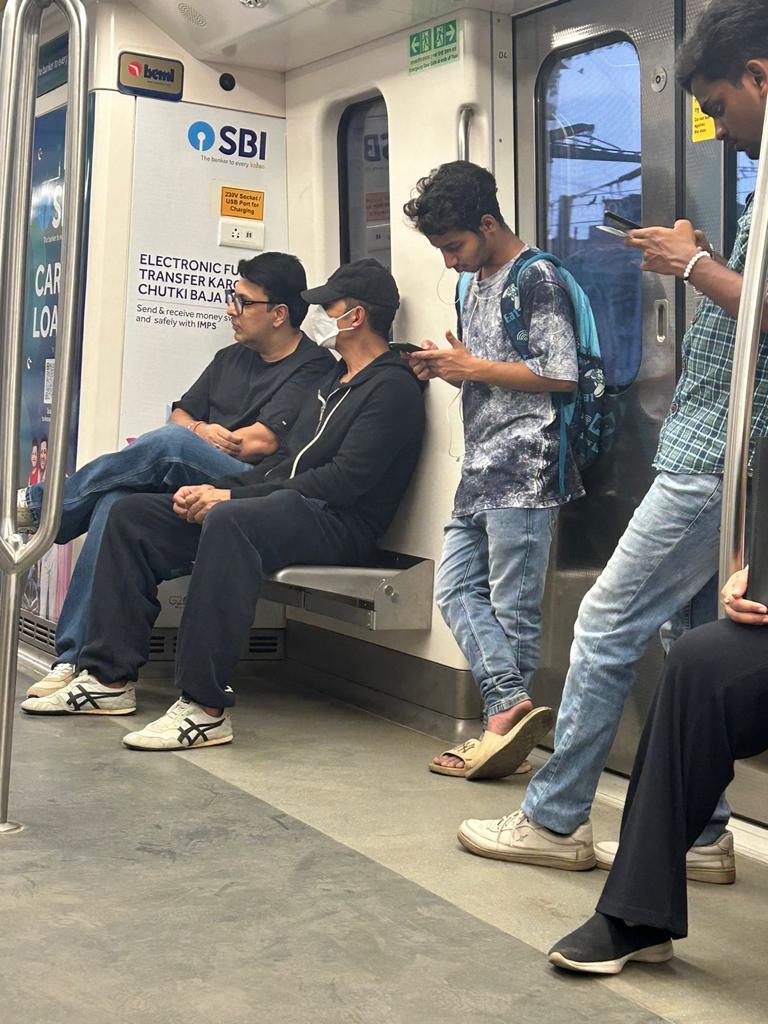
257 441
722 286
181 417
516 377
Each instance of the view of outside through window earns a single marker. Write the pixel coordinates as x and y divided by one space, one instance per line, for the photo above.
591 109
746 173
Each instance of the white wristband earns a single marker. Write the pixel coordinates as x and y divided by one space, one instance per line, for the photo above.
700 255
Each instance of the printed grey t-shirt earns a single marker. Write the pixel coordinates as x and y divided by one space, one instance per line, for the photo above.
512 438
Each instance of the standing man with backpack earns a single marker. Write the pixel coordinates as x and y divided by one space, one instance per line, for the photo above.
518 466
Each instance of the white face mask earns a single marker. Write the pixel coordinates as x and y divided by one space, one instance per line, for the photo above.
325 329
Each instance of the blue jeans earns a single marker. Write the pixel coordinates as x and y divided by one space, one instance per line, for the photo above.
160 461
489 588
666 556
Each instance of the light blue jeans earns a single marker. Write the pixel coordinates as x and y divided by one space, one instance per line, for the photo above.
667 554
160 461
489 588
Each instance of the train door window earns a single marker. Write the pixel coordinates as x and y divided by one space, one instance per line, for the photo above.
589 129
740 179
364 182
746 176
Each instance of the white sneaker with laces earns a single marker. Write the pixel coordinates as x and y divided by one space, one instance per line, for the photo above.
715 863
517 838
85 695
55 680
183 725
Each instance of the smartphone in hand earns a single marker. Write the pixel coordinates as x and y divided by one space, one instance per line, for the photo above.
618 225
404 346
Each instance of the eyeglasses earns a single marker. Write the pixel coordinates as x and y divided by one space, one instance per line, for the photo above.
233 298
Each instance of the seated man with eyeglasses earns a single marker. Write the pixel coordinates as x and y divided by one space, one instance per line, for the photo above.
323 500
238 411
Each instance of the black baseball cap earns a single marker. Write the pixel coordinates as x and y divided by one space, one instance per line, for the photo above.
366 280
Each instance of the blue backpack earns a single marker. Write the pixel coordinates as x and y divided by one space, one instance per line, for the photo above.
584 421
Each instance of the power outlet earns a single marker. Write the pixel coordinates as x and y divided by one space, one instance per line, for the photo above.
238 233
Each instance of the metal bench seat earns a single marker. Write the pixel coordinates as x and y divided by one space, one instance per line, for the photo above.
393 593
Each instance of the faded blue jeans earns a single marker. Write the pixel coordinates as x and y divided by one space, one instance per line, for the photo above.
667 554
161 461
489 588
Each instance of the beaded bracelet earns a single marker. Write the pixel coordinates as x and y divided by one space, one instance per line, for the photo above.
701 254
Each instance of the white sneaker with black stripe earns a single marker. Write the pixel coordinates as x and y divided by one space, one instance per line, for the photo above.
184 725
59 677
85 695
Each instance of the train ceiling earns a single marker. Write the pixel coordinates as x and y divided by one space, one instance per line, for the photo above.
283 34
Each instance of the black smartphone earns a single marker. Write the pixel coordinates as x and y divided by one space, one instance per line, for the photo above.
404 346
618 226
621 222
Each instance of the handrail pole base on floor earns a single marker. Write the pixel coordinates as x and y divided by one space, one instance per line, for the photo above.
10 606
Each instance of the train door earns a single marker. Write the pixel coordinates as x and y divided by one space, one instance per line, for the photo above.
596 131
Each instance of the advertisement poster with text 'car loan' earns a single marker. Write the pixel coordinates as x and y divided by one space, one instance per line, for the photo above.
201 176
45 584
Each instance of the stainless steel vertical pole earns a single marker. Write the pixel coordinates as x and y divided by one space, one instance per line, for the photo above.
753 294
18 76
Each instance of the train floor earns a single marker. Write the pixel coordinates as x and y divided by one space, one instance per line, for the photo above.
308 874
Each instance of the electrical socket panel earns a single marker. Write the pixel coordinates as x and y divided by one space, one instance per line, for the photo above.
239 233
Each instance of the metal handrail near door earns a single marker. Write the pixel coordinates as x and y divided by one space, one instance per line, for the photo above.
466 114
734 507
18 77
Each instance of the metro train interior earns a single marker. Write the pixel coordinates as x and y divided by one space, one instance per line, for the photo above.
309 872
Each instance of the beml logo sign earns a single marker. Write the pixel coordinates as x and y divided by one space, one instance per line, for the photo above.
242 142
142 74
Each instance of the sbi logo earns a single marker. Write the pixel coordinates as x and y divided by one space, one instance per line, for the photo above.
243 142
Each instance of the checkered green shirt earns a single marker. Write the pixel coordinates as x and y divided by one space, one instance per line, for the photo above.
692 437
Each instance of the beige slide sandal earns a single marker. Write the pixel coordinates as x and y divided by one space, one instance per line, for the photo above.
468 752
498 756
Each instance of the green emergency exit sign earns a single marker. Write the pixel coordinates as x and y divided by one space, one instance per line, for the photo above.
433 47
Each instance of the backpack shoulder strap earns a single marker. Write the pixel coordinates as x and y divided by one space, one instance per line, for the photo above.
511 306
460 299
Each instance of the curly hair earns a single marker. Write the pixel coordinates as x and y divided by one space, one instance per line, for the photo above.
455 197
726 36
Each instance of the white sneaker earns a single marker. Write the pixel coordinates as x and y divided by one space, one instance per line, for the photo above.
715 863
183 725
519 839
55 680
85 695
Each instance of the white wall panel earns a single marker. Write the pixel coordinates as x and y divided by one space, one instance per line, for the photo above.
423 112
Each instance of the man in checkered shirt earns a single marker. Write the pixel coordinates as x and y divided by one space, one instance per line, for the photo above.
669 551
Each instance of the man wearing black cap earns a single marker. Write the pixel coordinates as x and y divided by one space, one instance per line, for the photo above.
349 459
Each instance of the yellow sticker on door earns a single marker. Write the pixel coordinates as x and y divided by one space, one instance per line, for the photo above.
242 202
702 125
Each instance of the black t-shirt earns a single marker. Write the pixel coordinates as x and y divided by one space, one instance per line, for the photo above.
238 388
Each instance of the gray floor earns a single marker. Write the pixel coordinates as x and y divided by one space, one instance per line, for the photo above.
308 873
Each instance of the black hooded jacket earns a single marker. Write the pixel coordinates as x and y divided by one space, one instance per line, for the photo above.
354 446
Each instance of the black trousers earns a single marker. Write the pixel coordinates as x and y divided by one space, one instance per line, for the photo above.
145 542
711 708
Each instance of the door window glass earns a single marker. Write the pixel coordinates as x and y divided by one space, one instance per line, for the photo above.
746 176
364 182
589 127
